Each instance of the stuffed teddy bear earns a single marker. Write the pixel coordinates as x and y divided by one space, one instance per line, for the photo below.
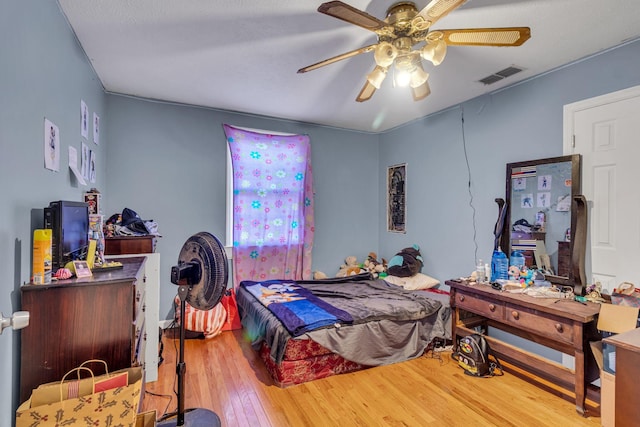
350 267
319 275
406 263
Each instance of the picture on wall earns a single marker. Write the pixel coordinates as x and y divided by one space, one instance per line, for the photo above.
96 128
92 167
396 198
51 146
84 119
85 161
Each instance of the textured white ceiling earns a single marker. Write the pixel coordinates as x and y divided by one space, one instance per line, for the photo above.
242 55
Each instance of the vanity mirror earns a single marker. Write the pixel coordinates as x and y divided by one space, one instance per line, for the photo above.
542 201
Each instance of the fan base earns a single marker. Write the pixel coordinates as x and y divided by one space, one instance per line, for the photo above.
194 418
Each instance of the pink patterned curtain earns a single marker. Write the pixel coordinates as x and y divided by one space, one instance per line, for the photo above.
272 205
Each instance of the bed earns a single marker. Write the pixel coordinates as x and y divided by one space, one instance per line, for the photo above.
370 322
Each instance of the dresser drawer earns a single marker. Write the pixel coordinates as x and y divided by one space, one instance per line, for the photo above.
550 326
477 305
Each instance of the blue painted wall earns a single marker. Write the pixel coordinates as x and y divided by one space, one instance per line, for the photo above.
168 161
43 73
456 159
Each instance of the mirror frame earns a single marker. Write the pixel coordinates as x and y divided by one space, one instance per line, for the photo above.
575 278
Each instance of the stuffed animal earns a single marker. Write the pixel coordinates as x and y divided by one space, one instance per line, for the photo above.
375 267
406 263
350 267
319 275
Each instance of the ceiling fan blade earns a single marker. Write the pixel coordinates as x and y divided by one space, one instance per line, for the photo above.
508 36
337 58
350 14
434 11
421 92
367 92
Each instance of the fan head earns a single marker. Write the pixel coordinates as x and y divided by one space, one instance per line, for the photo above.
203 267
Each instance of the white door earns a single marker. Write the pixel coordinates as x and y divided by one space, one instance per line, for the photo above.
606 131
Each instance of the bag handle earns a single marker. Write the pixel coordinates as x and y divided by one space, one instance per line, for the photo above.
78 369
106 368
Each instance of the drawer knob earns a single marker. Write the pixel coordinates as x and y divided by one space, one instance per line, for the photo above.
461 298
492 307
515 314
558 327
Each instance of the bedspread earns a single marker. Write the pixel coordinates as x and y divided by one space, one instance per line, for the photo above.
390 324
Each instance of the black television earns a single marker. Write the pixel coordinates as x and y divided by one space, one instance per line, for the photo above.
69 224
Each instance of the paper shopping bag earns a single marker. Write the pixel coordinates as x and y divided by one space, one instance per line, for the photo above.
113 406
77 387
229 303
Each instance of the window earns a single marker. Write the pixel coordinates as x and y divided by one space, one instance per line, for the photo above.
229 199
270 221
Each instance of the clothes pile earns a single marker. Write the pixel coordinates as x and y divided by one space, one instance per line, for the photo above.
523 226
129 223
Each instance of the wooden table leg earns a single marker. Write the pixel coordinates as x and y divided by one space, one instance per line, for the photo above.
580 386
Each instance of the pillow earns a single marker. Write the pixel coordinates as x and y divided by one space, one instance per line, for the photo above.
417 281
209 322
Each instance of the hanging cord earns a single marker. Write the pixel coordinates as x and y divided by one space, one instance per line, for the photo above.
473 209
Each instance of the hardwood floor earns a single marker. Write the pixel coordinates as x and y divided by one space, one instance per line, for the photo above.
225 375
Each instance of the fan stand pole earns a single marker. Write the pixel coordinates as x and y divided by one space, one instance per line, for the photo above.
181 367
194 417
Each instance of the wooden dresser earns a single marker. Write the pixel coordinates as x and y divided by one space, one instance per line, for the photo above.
563 325
121 245
627 410
71 321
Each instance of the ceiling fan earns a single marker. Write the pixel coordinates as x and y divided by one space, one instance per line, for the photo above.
405 38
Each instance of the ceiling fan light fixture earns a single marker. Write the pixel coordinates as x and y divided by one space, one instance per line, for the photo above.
418 77
402 78
377 76
385 54
405 38
434 51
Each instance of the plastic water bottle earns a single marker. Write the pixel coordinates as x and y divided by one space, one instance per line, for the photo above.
499 266
480 272
517 259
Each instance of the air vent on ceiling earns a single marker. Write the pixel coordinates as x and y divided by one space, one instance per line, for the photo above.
499 75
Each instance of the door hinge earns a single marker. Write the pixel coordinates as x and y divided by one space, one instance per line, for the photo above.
573 141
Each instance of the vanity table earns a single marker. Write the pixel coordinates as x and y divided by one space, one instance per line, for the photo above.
561 324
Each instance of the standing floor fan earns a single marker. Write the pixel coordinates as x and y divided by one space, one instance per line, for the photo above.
201 276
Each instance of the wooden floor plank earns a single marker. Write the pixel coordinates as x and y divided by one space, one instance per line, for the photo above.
225 375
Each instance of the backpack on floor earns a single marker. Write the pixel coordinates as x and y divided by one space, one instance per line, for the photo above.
472 354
